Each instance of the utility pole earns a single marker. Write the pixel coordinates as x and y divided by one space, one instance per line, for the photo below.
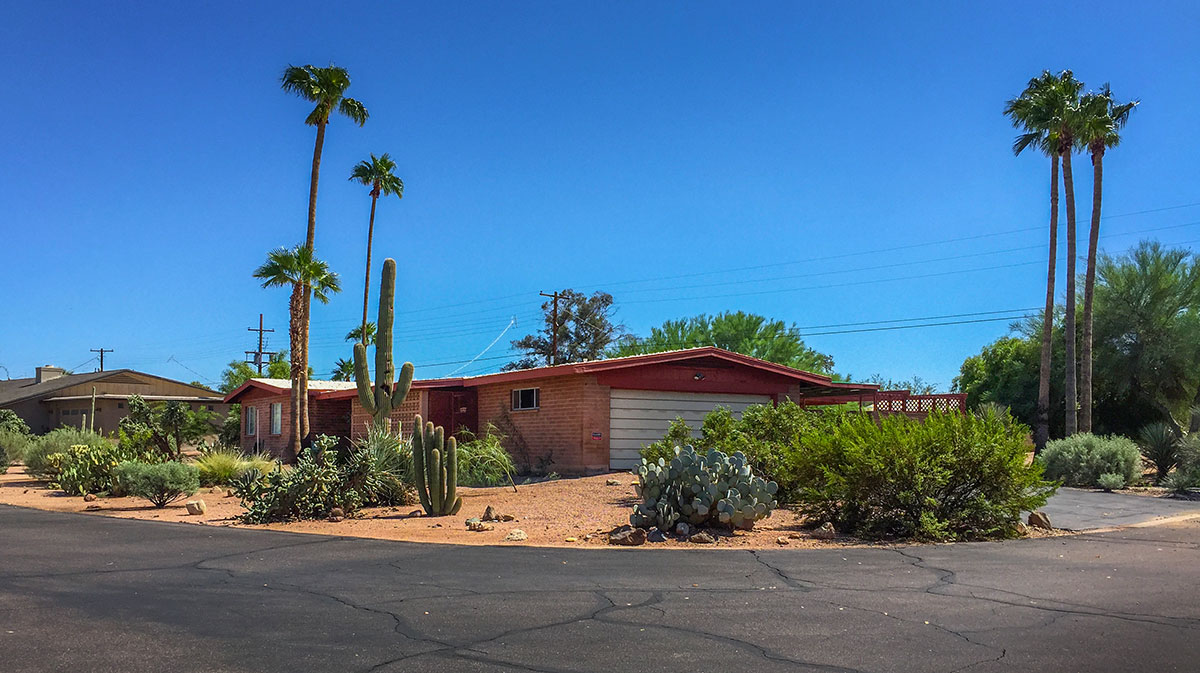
101 351
553 328
258 359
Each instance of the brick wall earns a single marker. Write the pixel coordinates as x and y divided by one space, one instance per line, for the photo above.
401 417
325 417
571 409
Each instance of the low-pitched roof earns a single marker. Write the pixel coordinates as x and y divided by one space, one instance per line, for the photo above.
703 353
18 390
285 385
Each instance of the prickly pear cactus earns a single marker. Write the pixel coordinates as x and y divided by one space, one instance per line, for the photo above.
386 395
701 489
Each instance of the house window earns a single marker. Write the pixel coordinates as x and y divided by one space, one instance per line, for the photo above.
526 398
276 418
251 421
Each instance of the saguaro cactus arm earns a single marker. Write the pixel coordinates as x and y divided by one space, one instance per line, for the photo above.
403 384
362 379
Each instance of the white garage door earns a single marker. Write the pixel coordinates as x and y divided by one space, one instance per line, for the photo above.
641 417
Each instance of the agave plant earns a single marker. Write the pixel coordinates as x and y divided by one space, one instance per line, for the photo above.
1160 447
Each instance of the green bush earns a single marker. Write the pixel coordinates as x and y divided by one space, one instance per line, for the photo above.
221 466
1111 481
11 422
58 441
322 478
1186 474
1160 448
1079 460
390 467
84 469
483 461
4 462
160 483
950 477
14 445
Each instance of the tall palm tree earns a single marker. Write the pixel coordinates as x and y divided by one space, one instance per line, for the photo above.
327 88
1068 91
299 269
1100 120
378 174
1039 111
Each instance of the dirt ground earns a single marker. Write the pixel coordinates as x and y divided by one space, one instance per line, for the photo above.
561 513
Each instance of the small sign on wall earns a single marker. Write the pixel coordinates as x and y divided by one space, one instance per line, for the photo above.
597 435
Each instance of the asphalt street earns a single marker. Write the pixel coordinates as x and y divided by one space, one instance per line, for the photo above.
94 594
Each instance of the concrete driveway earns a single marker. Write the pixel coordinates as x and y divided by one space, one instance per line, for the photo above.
1081 509
84 593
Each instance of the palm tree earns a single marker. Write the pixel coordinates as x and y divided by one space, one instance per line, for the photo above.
299 269
327 88
1100 120
343 369
1067 92
379 176
1040 111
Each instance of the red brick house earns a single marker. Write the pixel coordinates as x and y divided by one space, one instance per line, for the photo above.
266 412
574 418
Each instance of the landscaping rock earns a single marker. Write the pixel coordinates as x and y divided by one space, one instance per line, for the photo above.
656 535
490 514
612 482
507 517
702 537
782 541
478 526
217 490
571 539
1039 519
627 536
196 507
90 497
1022 529
229 493
683 530
516 535
416 512
824 532
91 508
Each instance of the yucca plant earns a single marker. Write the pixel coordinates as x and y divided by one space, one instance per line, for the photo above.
389 480
1160 447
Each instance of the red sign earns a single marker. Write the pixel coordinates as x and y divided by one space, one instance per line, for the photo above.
596 435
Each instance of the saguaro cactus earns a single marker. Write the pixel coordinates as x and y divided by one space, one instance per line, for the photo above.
386 395
436 469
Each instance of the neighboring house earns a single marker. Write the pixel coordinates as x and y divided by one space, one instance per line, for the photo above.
573 418
53 398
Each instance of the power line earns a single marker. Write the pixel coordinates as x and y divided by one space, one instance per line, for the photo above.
101 351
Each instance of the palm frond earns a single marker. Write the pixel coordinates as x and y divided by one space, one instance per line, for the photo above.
356 111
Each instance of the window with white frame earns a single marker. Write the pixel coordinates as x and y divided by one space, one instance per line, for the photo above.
526 398
251 421
276 418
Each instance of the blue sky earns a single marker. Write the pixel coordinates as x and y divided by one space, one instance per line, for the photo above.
819 164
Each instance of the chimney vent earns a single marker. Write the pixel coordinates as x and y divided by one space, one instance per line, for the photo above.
48 373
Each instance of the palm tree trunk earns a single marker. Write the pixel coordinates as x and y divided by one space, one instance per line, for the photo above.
1089 286
304 428
1042 431
312 185
296 310
1071 425
367 283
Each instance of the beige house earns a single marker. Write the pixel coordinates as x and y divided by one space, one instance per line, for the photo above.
53 398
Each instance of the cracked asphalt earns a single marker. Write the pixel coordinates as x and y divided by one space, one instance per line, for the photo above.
96 594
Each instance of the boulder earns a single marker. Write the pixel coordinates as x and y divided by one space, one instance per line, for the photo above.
1039 519
825 531
490 514
90 497
682 529
507 517
627 536
478 526
196 507
516 535
656 535
702 537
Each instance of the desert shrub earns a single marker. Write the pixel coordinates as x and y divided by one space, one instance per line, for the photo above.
1186 474
1160 448
11 422
222 465
390 467
322 478
59 441
4 462
482 459
160 483
1111 481
14 444
678 434
84 469
701 489
1080 459
952 476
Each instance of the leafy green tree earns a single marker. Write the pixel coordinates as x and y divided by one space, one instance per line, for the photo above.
1100 120
1039 111
740 332
584 330
11 422
379 175
916 385
238 372
167 426
299 269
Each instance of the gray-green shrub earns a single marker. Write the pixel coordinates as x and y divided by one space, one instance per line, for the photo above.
13 445
952 476
1111 481
160 483
1080 459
